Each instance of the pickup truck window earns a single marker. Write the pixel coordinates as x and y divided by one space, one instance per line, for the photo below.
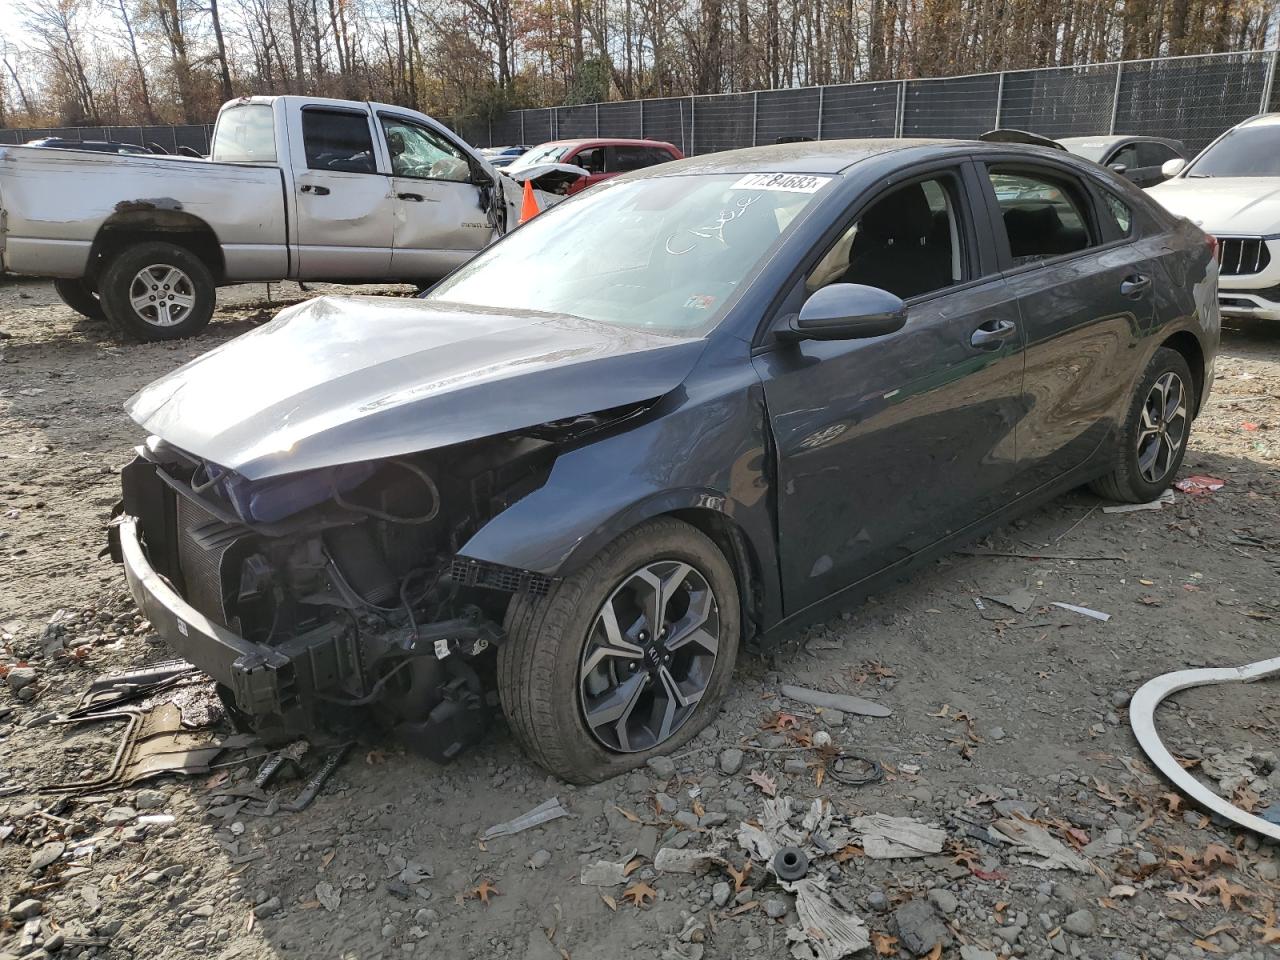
422 153
337 140
245 134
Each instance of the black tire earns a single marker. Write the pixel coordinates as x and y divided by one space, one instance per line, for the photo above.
539 664
80 297
1128 482
181 308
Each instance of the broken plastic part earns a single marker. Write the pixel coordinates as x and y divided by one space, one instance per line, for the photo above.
1142 710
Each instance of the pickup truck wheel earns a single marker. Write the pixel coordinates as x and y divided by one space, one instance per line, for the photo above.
626 659
80 297
158 291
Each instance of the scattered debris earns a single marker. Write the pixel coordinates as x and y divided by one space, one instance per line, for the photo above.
1142 709
827 930
544 812
677 860
1020 599
888 838
835 701
1199 485
318 779
1158 503
606 873
1034 841
1083 611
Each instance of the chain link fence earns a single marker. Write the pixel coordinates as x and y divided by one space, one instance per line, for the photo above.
1192 99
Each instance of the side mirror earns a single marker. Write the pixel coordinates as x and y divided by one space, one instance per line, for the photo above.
847 311
1171 168
1119 168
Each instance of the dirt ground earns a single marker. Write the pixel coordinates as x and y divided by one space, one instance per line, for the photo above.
995 715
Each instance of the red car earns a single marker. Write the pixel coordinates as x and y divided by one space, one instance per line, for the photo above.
601 157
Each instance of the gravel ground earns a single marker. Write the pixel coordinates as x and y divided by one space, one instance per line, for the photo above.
995 715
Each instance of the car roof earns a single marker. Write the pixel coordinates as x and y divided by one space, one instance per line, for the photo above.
1113 139
822 156
606 142
1262 120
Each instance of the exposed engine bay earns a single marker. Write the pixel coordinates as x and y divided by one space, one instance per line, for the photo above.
341 588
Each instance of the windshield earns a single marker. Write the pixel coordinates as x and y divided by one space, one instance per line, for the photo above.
547 153
1093 150
245 134
664 254
1252 151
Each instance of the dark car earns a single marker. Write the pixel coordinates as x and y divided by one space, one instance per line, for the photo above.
1137 158
97 146
695 405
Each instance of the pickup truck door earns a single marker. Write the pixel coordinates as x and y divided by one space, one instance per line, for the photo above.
439 221
344 205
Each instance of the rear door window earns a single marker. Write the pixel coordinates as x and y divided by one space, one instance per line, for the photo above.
337 140
627 157
1126 156
1154 154
1045 214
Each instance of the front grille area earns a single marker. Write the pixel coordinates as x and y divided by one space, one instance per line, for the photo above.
1238 256
204 543
480 573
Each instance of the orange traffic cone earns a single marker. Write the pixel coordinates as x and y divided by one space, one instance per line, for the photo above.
529 208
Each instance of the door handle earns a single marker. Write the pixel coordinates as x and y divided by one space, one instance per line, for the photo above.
415 197
319 191
991 335
1135 286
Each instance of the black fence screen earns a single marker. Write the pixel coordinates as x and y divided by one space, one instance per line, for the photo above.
1192 99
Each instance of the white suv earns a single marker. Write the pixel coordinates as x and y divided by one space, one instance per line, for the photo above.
1232 190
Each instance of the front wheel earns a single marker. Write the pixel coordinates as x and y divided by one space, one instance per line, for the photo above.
1153 438
79 296
626 659
158 291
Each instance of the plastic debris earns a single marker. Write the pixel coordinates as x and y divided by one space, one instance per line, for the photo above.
1142 709
1158 503
835 701
606 873
1034 841
827 931
544 812
890 838
676 860
1083 611
1200 484
1019 599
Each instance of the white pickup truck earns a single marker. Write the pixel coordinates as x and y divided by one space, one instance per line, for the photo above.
295 188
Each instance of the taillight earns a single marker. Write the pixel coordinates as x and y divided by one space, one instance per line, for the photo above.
1211 242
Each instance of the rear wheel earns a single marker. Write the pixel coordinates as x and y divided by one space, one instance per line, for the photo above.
1153 439
80 297
158 291
626 659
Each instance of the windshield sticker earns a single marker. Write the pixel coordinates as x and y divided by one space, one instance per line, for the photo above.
712 231
700 301
783 182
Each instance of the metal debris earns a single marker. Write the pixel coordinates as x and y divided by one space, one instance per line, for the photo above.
1142 709
1020 599
835 701
889 838
1034 841
544 812
1083 611
112 690
317 781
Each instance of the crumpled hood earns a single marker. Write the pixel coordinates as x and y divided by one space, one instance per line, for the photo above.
1231 206
345 379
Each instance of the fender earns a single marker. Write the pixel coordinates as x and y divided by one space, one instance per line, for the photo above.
709 455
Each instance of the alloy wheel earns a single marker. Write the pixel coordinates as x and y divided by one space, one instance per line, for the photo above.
162 295
1163 430
649 656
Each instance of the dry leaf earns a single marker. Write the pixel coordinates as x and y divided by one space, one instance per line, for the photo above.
375 757
1228 892
1123 890
781 722
1104 791
848 853
698 809
1246 799
766 783
745 908
946 709
631 816
935 953
886 946
1206 945
634 864
739 876
639 894
818 776
483 892
1217 853
609 902
1185 894
1269 934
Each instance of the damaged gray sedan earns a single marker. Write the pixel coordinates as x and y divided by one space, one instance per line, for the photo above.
689 407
